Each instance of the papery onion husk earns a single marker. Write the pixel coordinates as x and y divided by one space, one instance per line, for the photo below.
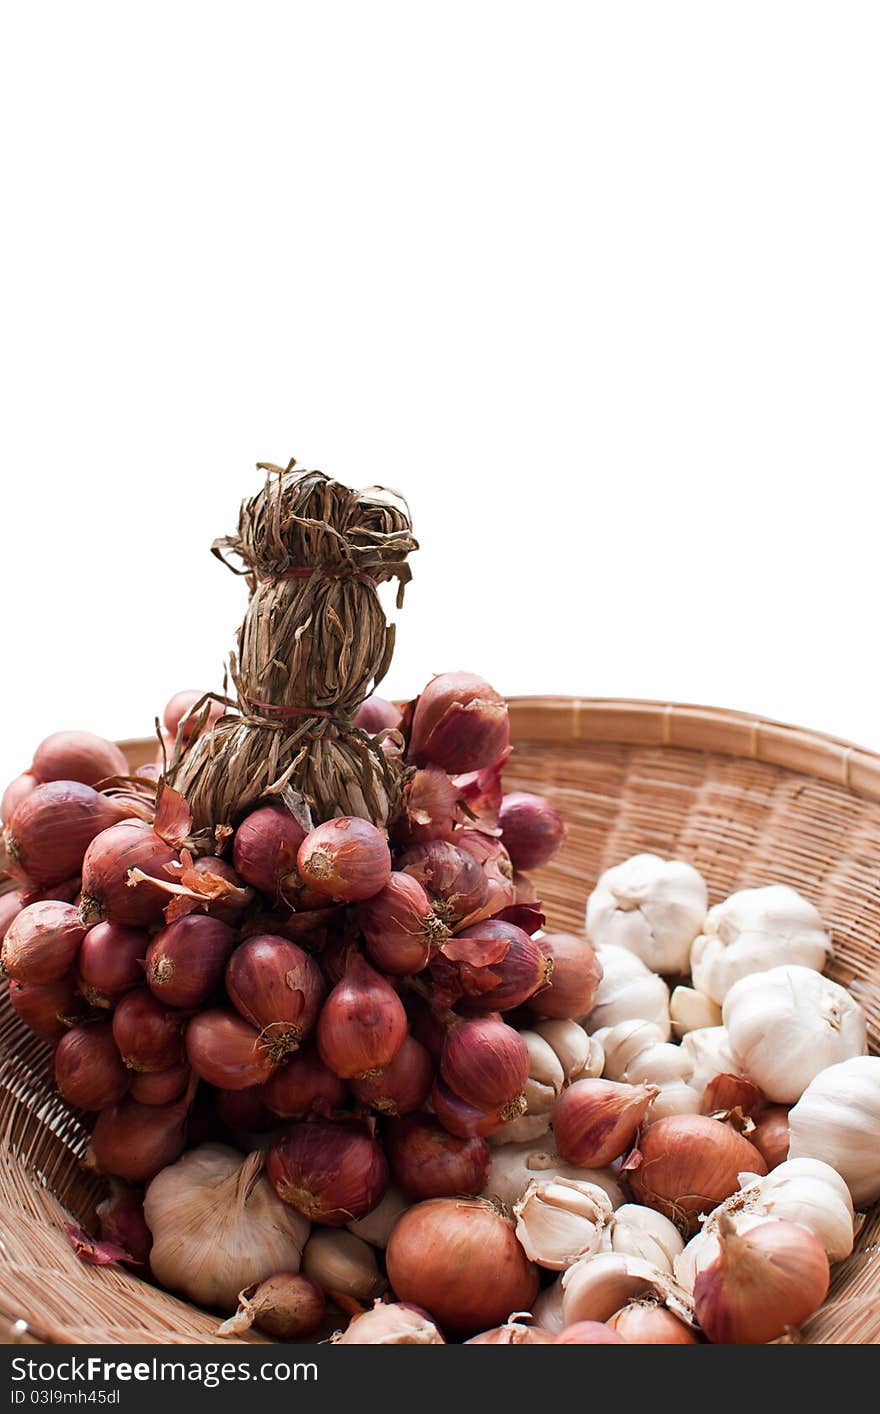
427 1161
452 878
287 1305
595 1121
51 829
107 891
330 1172
498 965
459 1259
497 870
278 988
430 807
687 1164
402 1086
122 1222
762 1283
41 942
575 977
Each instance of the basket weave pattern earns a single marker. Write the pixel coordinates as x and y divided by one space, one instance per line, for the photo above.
747 802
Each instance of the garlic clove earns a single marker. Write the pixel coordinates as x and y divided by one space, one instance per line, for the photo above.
540 1099
628 990
547 1308
527 1128
689 1010
515 1166
342 1264
378 1225
544 1064
641 1232
676 1098
595 1287
570 1044
624 1042
708 1050
559 1220
660 1064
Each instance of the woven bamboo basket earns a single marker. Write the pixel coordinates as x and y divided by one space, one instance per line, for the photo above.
746 801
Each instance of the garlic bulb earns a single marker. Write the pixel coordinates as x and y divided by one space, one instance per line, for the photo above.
525 1129
625 1041
580 1056
653 907
594 1288
546 1076
753 931
809 1192
341 1263
628 991
676 1097
786 1025
709 1053
561 1219
391 1324
703 1248
837 1119
642 1232
218 1226
689 1010
547 1308
660 1064
514 1167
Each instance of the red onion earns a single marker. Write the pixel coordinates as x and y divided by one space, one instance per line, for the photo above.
110 961
497 868
148 1034
524 891
687 1164
122 1221
135 1141
17 790
47 1008
180 706
245 1110
451 877
575 976
480 794
160 1087
11 904
346 859
428 1162
399 926
459 723
52 828
459 1258
595 1121
430 807
88 1068
726 1093
770 1135
375 714
588 1333
107 891
363 1023
646 1323
78 756
401 1087
486 1063
186 961
332 1173
531 830
304 1086
265 848
228 907
762 1283
41 942
278 988
465 1120
499 966
286 1305
224 1050
425 1025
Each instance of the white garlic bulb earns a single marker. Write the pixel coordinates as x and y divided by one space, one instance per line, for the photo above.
378 1225
653 907
641 1232
339 1261
547 1308
514 1166
218 1226
837 1119
579 1055
624 1042
628 991
809 1192
786 1025
690 1010
709 1053
561 1219
755 930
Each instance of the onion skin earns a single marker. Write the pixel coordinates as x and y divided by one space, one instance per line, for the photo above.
187 959
401 1087
227 907
160 1087
589 1333
52 828
399 926
122 1222
452 878
78 756
110 961
42 942
688 1165
148 1034
304 1086
106 892
595 1121
649 1324
461 1256
430 807
428 1162
574 979
460 723
46 1008
346 860
17 791
763 1282
265 847
485 1062
286 1306
88 1068
532 831
363 1024
331 1173
224 1050
135 1141
278 988
770 1135
11 904
521 972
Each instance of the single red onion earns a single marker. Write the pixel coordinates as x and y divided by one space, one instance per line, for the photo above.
18 790
332 1173
265 848
532 831
346 859
135 1141
111 961
245 1110
451 877
179 710
375 715
574 978
88 1067
304 1086
160 1087
47 1008
278 988
78 756
363 1024
224 1050
52 828
187 959
400 927
401 1087
430 807
770 1135
460 723
427 1161
42 942
595 1121
687 1164
485 1062
464 1120
148 1034
11 904
107 891
498 965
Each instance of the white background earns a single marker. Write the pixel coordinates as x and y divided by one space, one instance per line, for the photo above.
595 285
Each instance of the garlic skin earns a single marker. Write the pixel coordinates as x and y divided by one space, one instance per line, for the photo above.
788 1024
515 1166
339 1262
559 1220
218 1226
809 1192
580 1056
378 1225
653 907
709 1053
837 1119
644 1233
753 931
690 1010
628 991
